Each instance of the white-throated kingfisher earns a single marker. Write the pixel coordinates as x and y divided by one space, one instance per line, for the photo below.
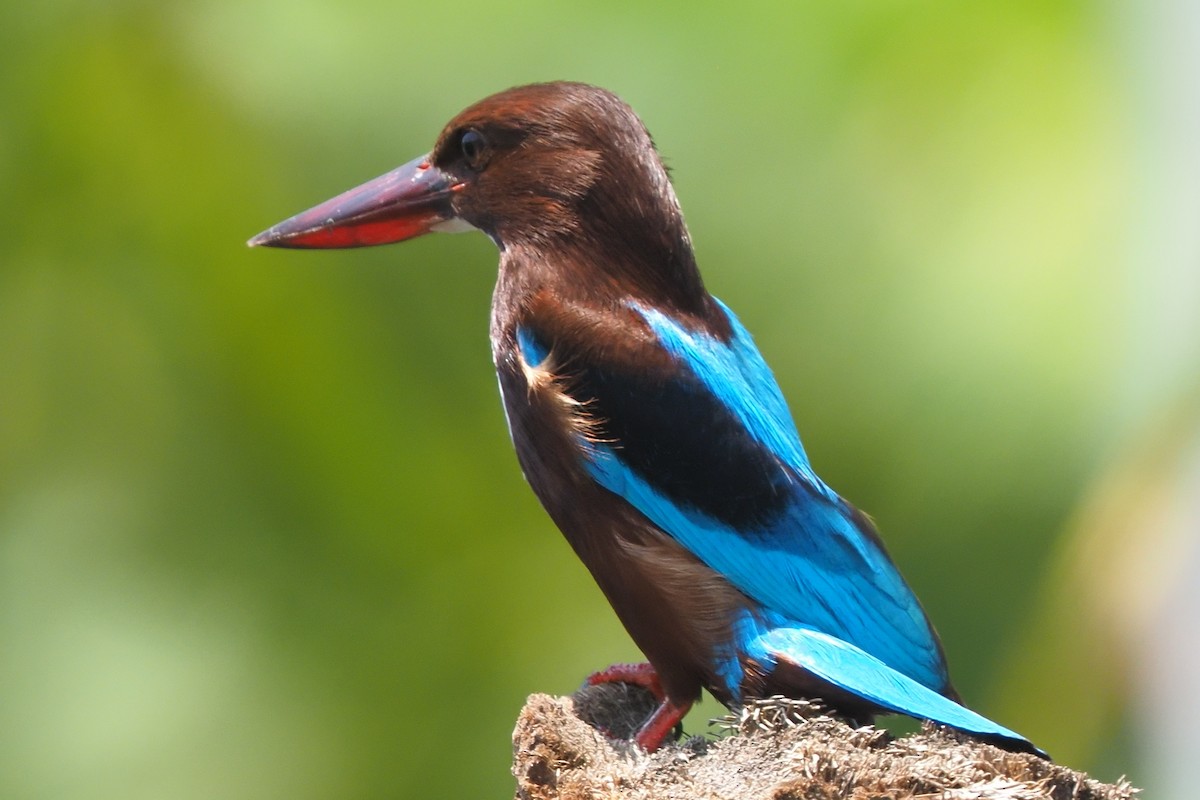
648 424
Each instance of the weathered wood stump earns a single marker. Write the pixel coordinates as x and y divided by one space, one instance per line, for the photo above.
776 749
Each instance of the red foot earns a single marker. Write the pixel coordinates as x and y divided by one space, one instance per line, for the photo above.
664 719
660 725
638 674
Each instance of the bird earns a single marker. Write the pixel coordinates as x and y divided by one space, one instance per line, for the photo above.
648 424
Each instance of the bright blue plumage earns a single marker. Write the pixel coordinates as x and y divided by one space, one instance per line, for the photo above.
811 564
811 568
829 598
737 375
773 638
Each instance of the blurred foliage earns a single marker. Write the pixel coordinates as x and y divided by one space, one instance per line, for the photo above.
261 530
1131 545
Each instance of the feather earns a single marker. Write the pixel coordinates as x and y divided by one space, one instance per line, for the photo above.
811 559
772 640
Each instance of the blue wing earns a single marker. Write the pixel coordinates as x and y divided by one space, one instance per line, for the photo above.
813 558
698 438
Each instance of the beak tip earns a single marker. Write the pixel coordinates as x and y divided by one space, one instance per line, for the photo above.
260 239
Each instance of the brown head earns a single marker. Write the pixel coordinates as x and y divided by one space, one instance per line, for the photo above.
563 167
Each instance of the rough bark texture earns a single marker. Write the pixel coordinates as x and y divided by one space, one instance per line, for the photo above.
777 749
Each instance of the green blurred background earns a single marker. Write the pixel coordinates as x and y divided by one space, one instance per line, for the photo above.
261 530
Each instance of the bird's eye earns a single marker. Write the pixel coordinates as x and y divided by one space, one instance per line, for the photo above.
474 148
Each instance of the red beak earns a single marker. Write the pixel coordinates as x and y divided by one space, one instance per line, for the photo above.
406 202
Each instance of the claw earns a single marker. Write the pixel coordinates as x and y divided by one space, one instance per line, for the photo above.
660 725
637 674
664 719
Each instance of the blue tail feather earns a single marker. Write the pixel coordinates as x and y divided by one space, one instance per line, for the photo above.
858 672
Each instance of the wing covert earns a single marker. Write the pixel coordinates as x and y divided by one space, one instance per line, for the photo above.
706 449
